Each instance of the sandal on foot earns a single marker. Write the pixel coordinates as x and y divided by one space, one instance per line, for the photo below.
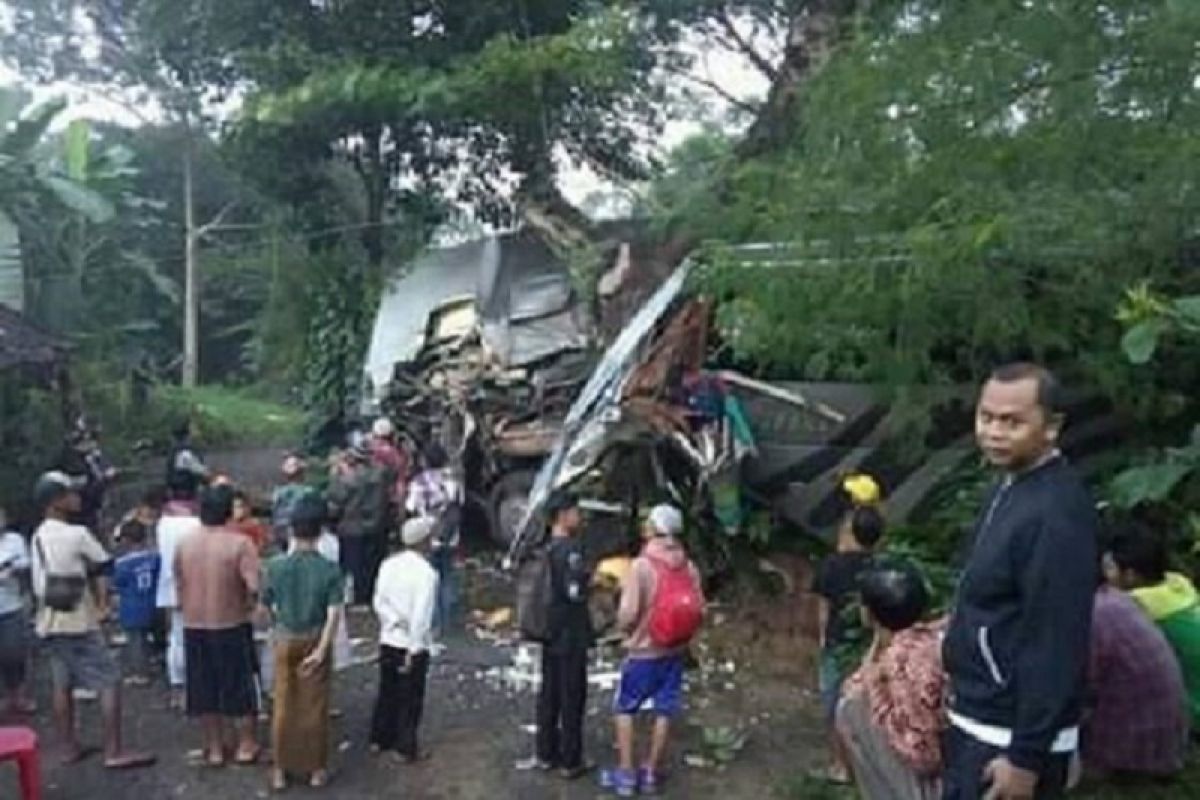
248 759
130 761
621 782
278 782
79 754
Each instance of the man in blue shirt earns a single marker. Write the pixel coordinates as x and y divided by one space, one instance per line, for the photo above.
135 577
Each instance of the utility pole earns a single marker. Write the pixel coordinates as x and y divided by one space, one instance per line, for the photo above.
191 298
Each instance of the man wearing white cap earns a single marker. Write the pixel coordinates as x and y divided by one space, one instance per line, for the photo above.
405 597
662 608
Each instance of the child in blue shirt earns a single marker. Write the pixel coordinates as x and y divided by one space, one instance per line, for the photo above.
135 578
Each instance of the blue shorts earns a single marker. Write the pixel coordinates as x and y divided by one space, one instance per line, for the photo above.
654 685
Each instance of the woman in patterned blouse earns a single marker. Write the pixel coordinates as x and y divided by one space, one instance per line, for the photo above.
892 710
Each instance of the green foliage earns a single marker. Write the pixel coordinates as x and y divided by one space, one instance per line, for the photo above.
957 200
336 339
1163 481
720 745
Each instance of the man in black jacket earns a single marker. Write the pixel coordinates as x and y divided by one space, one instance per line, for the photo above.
562 699
1017 646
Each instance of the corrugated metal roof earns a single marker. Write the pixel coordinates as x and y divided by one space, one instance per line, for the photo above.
22 343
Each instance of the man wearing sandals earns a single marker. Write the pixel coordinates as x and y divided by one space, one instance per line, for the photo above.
71 637
217 580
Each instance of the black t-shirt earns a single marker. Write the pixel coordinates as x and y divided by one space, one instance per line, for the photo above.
837 581
570 621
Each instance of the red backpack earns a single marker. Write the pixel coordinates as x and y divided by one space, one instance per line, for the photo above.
677 611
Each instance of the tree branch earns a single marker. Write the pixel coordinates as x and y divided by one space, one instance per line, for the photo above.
215 222
737 102
743 45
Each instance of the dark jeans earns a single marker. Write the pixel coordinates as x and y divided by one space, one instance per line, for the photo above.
360 557
401 701
966 758
561 705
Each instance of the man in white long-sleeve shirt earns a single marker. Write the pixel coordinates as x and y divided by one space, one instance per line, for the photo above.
405 597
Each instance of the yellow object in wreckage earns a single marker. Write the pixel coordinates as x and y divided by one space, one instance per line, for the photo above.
613 570
863 490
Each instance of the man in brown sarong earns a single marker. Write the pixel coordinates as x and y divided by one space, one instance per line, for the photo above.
304 595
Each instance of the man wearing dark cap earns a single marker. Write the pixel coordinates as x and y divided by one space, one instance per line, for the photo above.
68 567
361 500
563 696
303 593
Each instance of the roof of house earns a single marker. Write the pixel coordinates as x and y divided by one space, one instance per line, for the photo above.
22 343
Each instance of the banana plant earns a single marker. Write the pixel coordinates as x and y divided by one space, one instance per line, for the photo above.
30 174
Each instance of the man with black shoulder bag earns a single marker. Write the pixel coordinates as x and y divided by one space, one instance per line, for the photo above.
68 581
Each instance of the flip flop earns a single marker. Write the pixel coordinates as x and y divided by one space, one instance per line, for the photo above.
278 783
130 761
248 759
199 758
82 754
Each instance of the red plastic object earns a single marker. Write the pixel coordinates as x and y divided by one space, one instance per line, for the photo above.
20 745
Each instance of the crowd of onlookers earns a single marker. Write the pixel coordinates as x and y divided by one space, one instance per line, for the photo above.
239 611
1069 651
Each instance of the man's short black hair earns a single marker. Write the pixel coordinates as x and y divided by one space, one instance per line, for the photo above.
181 485
895 593
134 532
560 502
155 497
1050 391
308 516
216 505
435 457
867 525
1139 549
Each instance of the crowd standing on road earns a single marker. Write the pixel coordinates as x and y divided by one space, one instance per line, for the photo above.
1067 651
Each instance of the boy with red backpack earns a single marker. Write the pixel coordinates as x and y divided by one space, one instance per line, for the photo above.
662 609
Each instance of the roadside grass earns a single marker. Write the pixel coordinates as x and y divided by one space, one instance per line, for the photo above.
224 416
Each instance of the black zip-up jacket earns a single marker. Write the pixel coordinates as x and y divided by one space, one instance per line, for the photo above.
1016 649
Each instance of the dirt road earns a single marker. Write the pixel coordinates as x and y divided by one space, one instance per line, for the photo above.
478 722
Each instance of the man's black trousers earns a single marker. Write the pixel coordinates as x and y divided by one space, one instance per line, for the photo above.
561 706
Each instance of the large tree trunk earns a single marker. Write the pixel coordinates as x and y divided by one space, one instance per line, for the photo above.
375 178
812 38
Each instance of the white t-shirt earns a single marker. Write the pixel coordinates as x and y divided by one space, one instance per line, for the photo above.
69 550
14 558
405 595
171 531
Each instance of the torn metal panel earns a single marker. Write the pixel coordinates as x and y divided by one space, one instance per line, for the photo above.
575 453
533 340
680 349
